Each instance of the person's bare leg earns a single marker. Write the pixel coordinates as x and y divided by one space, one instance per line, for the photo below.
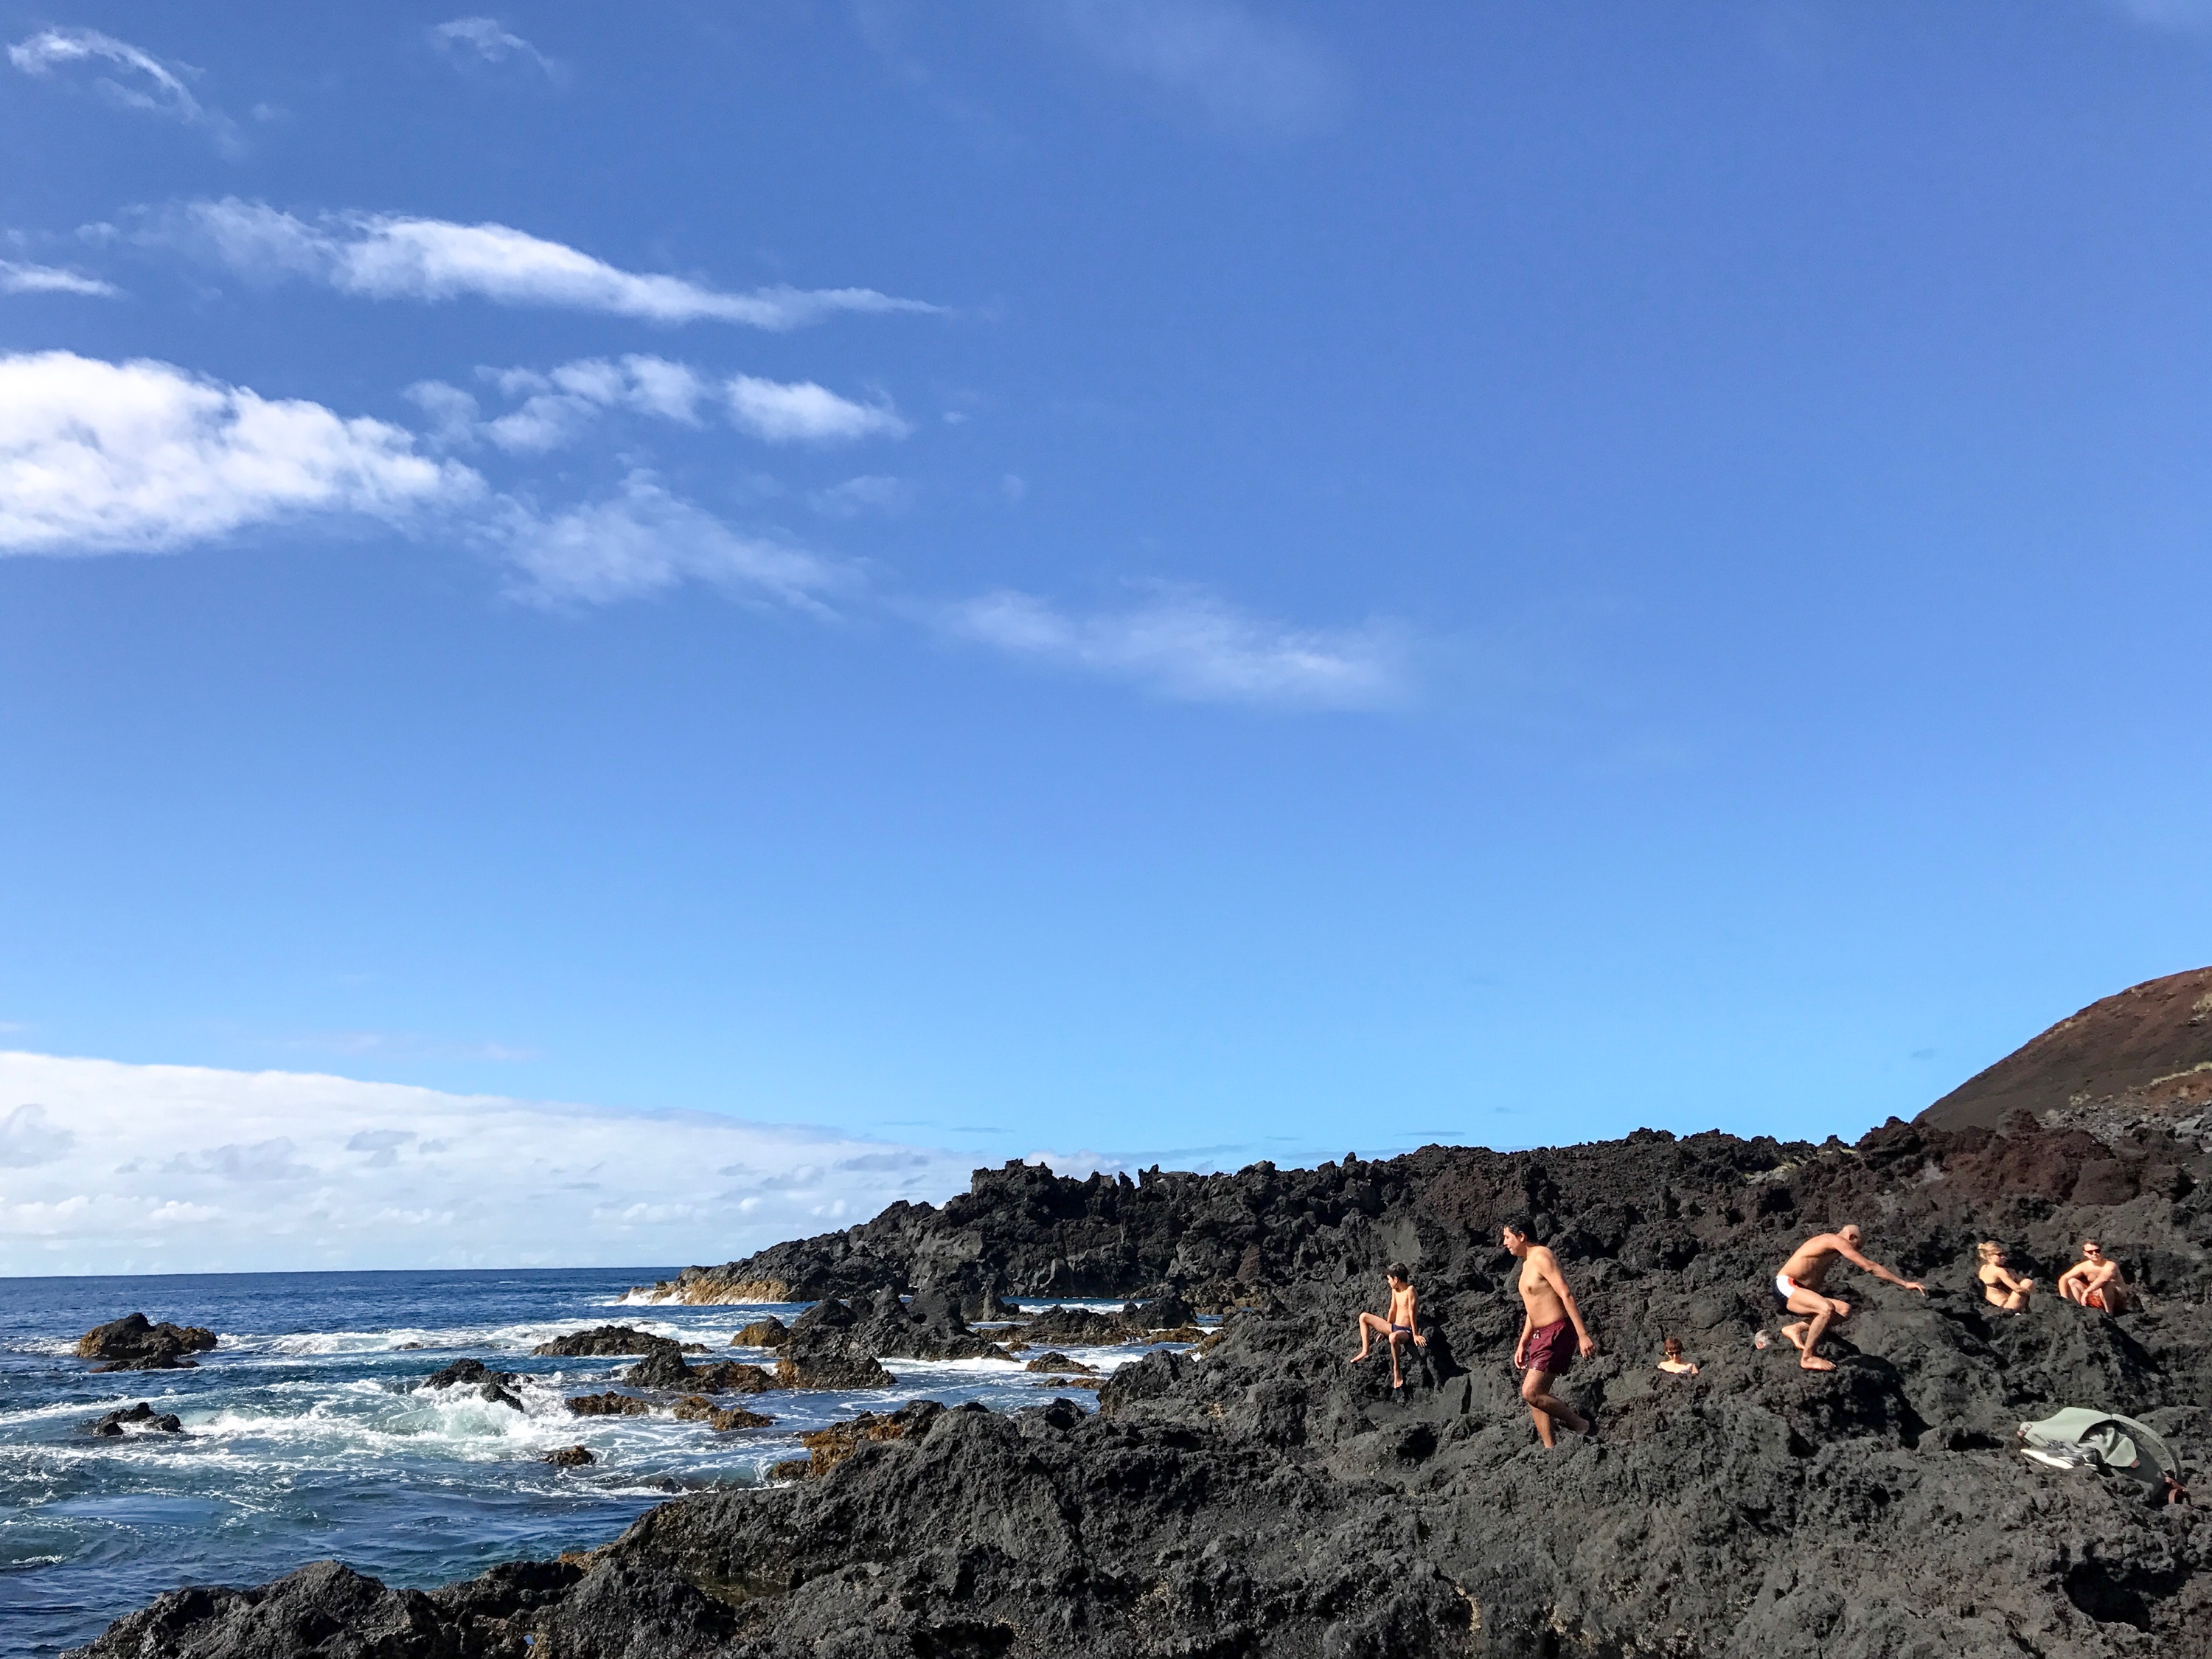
1397 1375
1795 1335
1544 1405
2015 1302
1821 1311
1369 1324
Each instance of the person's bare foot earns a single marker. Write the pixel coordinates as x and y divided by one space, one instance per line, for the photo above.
1356 1358
1812 1362
1795 1335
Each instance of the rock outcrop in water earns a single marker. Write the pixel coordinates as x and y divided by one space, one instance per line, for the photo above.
1261 1495
603 1339
490 1385
134 1344
115 1424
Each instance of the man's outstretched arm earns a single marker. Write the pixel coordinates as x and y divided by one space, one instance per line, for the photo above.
1878 1270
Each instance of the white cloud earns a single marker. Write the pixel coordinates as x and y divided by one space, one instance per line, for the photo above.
2191 16
144 81
645 540
16 278
1246 70
28 1138
385 257
1196 648
140 456
485 40
786 411
181 1169
558 406
871 493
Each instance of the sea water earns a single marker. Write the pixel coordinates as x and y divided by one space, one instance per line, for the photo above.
307 1434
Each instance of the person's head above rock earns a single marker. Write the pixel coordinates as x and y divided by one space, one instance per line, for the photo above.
1517 1232
1398 1273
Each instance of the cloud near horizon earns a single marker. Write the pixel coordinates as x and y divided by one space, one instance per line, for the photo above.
391 257
113 1168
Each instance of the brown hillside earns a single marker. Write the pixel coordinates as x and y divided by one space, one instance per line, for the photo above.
2147 1050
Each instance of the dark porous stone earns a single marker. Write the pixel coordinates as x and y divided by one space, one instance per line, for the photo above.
609 1404
731 1377
607 1340
663 1367
141 1415
473 1372
768 1333
133 1344
831 1363
1058 1363
697 1408
570 1457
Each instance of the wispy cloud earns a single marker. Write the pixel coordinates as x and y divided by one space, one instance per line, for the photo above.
2189 16
1246 70
387 256
487 40
139 1169
99 456
869 493
645 540
140 81
1196 648
17 277
559 405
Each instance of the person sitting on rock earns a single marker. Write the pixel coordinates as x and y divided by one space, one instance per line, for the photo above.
1401 1323
1799 1287
2095 1281
1999 1288
1552 1332
1671 1360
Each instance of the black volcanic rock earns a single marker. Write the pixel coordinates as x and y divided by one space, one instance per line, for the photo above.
489 1384
607 1340
134 1344
141 1415
768 1333
609 1404
1263 1496
663 1367
570 1457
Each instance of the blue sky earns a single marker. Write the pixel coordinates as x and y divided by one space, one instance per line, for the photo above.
1160 577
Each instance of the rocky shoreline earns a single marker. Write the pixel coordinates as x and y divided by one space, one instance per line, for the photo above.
1264 1495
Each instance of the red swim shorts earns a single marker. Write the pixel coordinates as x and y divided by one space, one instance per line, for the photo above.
1552 1348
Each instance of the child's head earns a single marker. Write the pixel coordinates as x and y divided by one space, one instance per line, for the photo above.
1398 1273
1674 1347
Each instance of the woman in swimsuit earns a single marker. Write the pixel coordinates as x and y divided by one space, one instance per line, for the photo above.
1999 1288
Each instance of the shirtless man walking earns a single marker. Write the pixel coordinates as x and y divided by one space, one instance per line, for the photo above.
1545 1350
1799 1287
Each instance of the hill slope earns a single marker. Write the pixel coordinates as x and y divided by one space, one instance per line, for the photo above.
2144 1053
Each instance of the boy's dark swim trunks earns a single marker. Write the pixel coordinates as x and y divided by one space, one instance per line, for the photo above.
1552 1348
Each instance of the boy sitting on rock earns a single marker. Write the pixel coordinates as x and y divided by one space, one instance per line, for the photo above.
1400 1323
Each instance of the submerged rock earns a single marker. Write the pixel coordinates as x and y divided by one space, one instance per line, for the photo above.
141 1415
570 1457
490 1385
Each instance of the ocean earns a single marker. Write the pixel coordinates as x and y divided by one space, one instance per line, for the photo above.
308 1435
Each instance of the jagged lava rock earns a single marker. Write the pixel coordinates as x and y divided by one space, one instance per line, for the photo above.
570 1457
134 1344
697 1408
489 1384
141 1416
609 1404
609 1340
663 1367
768 1333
